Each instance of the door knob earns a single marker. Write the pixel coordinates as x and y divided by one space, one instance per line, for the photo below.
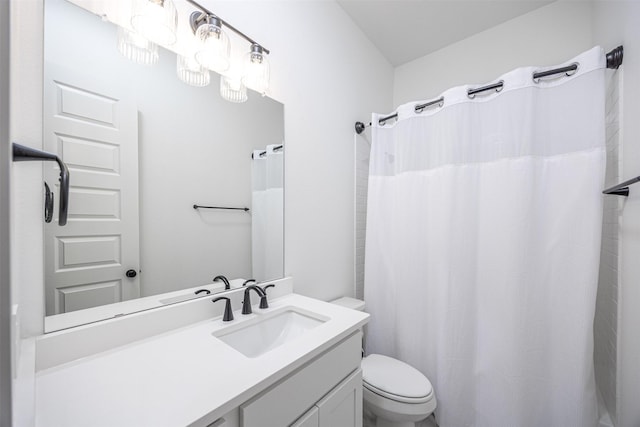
131 273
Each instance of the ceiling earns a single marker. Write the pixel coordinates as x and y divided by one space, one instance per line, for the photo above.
404 30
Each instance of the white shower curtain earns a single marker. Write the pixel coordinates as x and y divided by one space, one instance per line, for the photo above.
482 248
267 205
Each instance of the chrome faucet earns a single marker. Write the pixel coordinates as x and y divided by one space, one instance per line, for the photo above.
246 302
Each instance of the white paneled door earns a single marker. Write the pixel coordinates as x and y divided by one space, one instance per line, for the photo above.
95 132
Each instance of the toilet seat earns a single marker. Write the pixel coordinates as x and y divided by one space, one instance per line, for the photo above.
395 380
397 398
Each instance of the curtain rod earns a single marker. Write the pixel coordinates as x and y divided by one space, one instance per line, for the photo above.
276 148
614 60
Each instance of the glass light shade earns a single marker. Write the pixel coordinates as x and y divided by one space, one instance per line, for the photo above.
156 20
190 72
232 89
136 48
256 71
215 49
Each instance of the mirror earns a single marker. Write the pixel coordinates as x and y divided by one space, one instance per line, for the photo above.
143 148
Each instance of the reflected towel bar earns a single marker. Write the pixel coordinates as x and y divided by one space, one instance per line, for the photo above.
622 189
23 153
220 207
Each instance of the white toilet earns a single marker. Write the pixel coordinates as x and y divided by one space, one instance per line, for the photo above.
397 394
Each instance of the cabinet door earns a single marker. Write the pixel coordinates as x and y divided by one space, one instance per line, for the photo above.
285 402
342 407
310 419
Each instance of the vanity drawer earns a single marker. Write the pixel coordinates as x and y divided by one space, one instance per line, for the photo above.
286 401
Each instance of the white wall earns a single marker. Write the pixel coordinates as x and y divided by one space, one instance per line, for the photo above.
605 324
26 187
362 147
6 332
616 23
545 36
194 147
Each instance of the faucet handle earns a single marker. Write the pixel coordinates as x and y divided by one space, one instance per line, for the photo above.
263 298
246 282
224 280
199 291
246 302
228 313
264 288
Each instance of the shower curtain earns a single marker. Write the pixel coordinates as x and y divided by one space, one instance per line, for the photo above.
267 205
482 247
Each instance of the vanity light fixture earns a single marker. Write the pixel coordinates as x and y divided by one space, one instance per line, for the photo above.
214 48
190 72
136 48
232 89
156 20
256 69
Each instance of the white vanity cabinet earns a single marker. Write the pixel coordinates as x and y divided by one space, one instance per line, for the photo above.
327 391
314 379
342 407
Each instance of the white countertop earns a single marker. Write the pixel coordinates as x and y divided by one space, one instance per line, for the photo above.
182 377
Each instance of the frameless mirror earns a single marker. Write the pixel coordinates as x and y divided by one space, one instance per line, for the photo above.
143 148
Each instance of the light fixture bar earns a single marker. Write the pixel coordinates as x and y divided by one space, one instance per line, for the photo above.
226 24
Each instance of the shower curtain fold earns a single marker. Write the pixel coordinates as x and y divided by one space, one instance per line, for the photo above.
266 214
482 247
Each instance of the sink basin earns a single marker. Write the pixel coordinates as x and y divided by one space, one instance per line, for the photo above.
268 331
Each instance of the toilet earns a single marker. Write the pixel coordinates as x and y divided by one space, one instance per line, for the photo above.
395 393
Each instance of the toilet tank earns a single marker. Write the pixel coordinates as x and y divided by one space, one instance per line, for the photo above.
352 303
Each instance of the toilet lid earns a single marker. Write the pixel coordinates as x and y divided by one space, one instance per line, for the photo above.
394 378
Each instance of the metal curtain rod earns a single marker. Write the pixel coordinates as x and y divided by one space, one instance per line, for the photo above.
220 207
231 27
277 147
418 108
622 189
613 58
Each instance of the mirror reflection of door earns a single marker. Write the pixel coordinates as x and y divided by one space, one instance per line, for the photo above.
96 135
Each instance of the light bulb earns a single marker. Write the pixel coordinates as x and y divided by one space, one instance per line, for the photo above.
136 48
232 89
190 72
256 70
215 49
156 20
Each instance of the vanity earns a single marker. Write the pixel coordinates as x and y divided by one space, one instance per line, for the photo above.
294 363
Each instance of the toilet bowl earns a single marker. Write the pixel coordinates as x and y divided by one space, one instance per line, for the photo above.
395 393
